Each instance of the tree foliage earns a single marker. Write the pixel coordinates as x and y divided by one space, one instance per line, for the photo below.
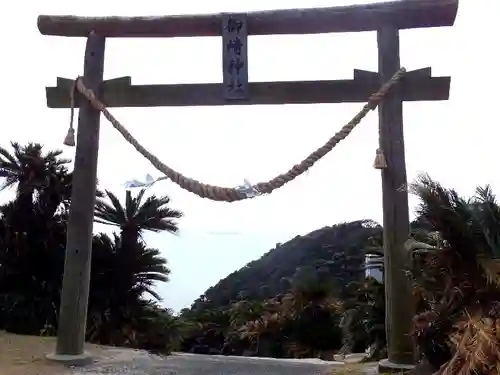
455 272
122 301
307 297
332 254
290 302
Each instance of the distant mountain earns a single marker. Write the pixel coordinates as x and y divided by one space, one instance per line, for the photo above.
332 254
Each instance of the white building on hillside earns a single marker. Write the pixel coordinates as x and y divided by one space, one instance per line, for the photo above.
374 267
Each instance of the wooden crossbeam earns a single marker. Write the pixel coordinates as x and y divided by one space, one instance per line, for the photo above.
375 76
114 83
402 14
417 85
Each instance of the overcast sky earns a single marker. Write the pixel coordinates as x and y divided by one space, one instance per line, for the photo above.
455 141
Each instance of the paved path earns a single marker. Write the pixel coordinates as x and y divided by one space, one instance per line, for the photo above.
192 364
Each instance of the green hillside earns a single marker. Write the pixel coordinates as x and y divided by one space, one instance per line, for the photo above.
332 254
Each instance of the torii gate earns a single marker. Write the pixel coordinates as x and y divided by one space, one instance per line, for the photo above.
384 18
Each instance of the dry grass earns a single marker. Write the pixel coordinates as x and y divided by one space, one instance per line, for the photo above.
360 369
25 355
356 369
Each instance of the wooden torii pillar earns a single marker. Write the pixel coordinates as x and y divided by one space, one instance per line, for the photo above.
384 18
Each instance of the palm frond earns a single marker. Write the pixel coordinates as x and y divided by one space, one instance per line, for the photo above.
112 213
487 213
447 213
7 155
138 214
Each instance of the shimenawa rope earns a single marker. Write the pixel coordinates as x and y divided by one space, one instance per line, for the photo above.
225 194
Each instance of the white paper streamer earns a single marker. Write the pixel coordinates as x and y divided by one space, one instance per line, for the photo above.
148 182
248 190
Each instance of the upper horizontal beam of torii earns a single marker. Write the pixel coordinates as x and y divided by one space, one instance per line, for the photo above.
402 14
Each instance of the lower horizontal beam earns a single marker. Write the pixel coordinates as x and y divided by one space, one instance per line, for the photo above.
260 93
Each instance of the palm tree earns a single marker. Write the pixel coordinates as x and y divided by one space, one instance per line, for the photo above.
31 266
119 283
124 268
152 214
148 267
33 236
142 265
28 167
455 272
37 177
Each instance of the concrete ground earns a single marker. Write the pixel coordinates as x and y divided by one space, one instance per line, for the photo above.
25 355
128 362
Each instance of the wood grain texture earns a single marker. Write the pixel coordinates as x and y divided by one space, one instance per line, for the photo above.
396 220
413 88
402 14
76 280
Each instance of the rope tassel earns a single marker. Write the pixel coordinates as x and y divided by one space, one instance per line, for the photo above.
69 140
380 162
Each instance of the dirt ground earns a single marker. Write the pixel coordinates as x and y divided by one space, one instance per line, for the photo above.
25 355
